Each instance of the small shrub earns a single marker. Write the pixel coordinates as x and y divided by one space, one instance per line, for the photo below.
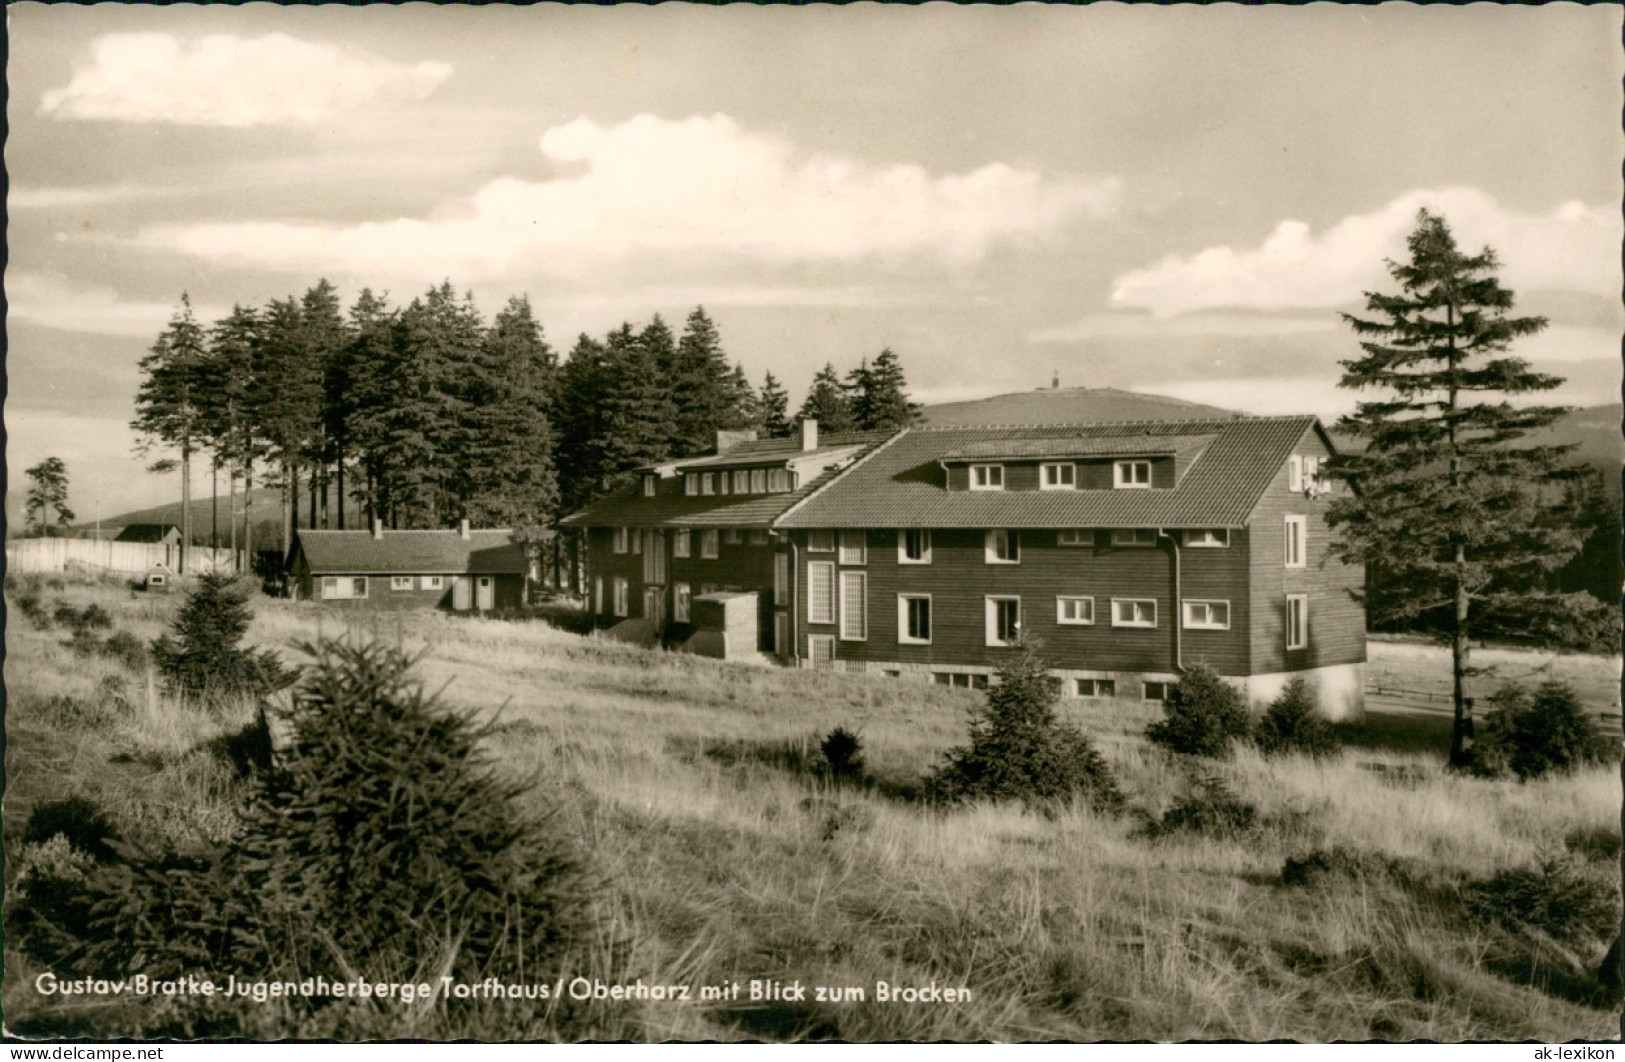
1291 724
1019 750
50 905
1337 861
27 599
1204 715
1534 733
79 821
203 658
1595 843
125 648
1554 897
1210 808
247 750
843 754
91 618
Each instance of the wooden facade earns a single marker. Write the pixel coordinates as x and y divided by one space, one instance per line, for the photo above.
466 570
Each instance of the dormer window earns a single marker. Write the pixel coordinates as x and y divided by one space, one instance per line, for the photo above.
986 477
648 486
708 483
778 481
691 483
1057 475
1131 474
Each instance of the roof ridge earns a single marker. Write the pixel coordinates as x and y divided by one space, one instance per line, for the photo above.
1239 417
837 474
400 531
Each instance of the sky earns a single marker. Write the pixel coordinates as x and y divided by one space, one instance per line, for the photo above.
1174 200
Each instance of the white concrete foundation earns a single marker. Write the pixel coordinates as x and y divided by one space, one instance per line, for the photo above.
1339 689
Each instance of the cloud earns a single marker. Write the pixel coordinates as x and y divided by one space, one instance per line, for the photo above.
50 301
27 197
695 192
225 80
1183 326
1573 248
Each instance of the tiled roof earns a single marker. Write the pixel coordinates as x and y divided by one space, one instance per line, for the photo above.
629 508
762 452
901 484
413 552
1077 444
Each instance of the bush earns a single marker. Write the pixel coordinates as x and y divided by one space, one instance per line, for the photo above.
843 754
1291 724
204 659
79 821
1204 715
127 649
379 839
92 618
1536 733
1019 750
1210 808
1553 897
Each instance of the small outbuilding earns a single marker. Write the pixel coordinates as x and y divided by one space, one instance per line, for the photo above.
464 570
166 535
159 577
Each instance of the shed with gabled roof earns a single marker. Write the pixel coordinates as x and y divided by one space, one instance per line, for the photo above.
462 570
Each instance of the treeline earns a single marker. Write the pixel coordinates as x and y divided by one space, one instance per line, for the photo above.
426 414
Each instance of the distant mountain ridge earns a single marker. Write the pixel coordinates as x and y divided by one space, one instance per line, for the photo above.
1066 405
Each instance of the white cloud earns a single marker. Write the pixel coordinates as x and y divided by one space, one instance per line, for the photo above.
52 302
27 197
1573 248
227 80
695 192
1130 325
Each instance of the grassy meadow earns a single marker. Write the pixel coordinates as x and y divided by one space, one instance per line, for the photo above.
722 855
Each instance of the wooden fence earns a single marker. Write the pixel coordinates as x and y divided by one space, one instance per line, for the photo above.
1387 698
125 558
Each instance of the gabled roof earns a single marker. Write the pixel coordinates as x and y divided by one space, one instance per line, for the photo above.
145 532
491 552
763 453
901 484
629 508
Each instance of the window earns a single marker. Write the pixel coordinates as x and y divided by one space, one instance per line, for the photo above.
914 619
1097 687
1057 476
434 582
681 595
914 546
1002 547
1003 620
648 486
820 592
1156 691
742 481
1075 536
1312 481
598 595
1135 474
821 651
1134 536
708 544
400 582
1297 621
1208 538
854 606
620 544
1294 473
343 587
722 482
986 477
1207 615
779 481
708 483
1134 612
1296 533
756 537
758 481
781 577
854 548
960 680
691 483
732 536
621 596
1079 611
681 544
637 541
820 542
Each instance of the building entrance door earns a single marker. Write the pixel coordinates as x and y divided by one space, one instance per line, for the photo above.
485 593
461 593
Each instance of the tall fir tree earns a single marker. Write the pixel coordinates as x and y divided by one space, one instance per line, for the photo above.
879 393
774 404
168 412
438 340
828 403
286 401
1445 512
326 339
637 410
363 400
228 422
46 507
704 387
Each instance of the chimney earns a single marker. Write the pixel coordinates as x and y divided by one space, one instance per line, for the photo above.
728 440
377 530
463 529
809 434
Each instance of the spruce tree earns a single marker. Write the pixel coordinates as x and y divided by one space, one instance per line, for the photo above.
363 396
47 496
168 412
704 386
880 399
774 404
827 402
1444 511
578 413
638 414
510 459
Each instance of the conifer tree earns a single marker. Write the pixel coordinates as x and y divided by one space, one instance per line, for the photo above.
1444 508
167 409
363 400
704 387
47 496
511 455
774 404
228 424
827 402
880 399
638 414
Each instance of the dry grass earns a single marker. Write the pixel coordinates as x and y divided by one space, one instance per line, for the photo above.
725 862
